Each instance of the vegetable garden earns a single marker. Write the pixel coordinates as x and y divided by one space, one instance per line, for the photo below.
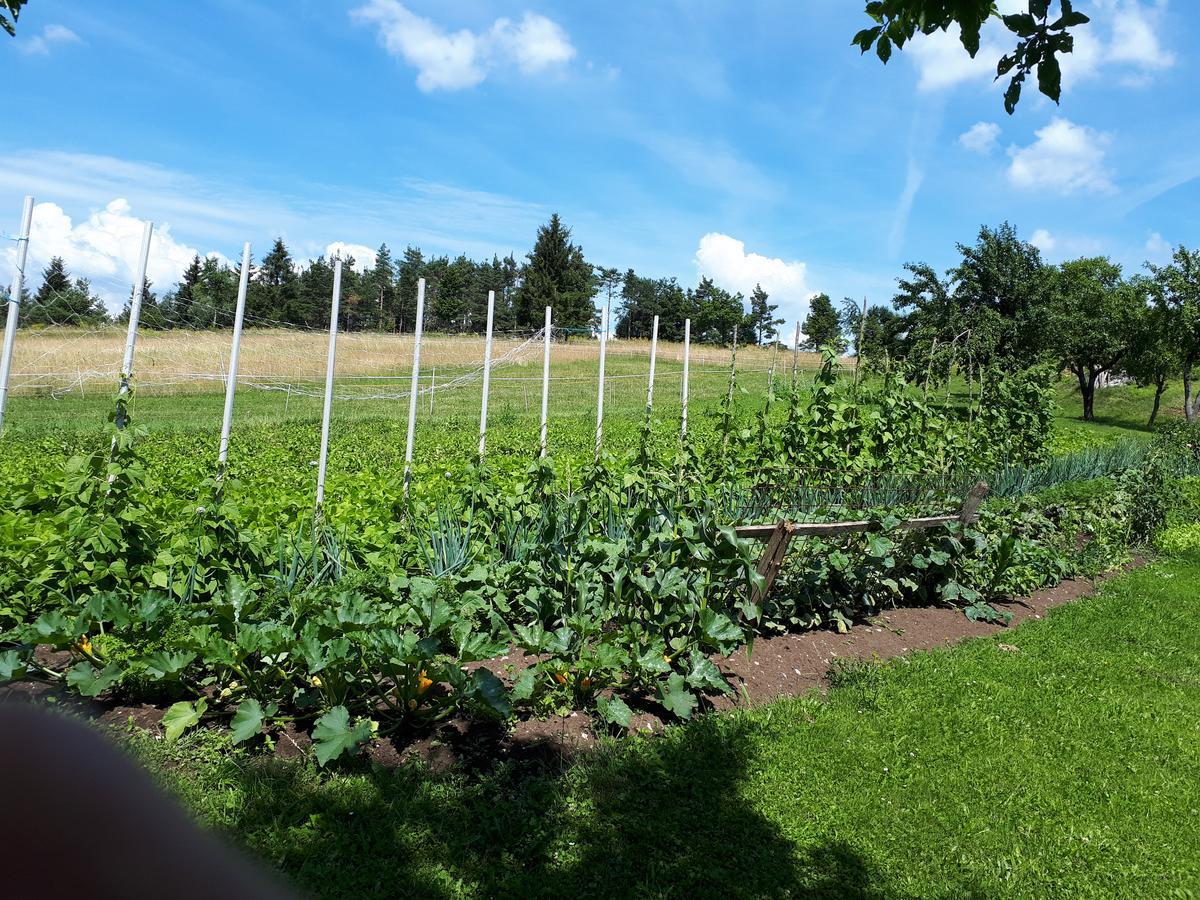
621 577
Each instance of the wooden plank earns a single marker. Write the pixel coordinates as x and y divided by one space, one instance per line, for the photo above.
970 508
800 529
772 560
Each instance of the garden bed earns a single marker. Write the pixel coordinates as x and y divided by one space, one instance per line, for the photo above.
783 665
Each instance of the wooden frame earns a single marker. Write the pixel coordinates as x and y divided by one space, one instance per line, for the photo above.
779 535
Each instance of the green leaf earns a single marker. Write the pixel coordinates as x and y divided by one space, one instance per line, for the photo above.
614 710
334 735
247 721
489 690
181 716
705 676
163 665
1050 77
12 666
676 697
523 689
719 629
89 682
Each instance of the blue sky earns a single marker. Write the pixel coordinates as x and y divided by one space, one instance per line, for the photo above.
748 141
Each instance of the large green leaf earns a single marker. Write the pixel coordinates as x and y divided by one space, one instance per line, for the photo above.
334 735
85 678
247 721
181 716
12 665
167 665
676 697
614 710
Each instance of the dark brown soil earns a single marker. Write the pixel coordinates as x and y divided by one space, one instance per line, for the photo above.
786 665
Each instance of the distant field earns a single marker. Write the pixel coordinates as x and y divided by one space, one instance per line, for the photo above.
64 379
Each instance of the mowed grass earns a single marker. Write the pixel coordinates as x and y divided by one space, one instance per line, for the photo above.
1059 759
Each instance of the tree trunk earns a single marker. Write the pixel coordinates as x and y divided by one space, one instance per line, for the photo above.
1189 412
1087 390
1160 385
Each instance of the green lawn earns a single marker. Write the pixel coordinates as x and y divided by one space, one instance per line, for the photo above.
1070 767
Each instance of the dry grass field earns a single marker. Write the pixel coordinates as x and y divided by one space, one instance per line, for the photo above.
61 361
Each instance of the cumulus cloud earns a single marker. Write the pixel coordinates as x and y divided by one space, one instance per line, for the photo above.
1043 240
450 61
1122 39
724 259
1066 158
363 256
52 35
1057 247
104 249
1158 249
980 137
942 62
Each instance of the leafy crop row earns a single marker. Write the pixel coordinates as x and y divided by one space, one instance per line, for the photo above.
620 580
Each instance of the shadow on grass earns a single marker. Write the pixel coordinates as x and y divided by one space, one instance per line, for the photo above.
663 817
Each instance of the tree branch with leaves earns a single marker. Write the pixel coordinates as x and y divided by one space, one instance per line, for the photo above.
1041 35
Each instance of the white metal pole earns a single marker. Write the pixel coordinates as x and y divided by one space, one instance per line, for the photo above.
335 302
231 384
653 356
487 372
546 334
135 313
687 349
14 303
795 354
600 392
432 387
415 385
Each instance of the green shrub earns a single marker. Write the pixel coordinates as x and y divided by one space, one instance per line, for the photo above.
1178 540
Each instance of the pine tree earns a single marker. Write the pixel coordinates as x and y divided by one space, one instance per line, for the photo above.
179 305
556 274
762 316
823 325
276 290
410 269
382 282
50 303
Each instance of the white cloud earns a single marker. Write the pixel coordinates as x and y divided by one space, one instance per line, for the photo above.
1123 39
451 61
724 259
104 249
980 137
363 256
40 44
1057 247
1065 158
1043 240
942 62
912 184
709 164
1158 249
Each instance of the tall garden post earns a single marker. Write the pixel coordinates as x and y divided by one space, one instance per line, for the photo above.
415 385
135 313
858 348
795 355
546 333
653 356
687 349
600 393
14 303
327 409
487 371
231 383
